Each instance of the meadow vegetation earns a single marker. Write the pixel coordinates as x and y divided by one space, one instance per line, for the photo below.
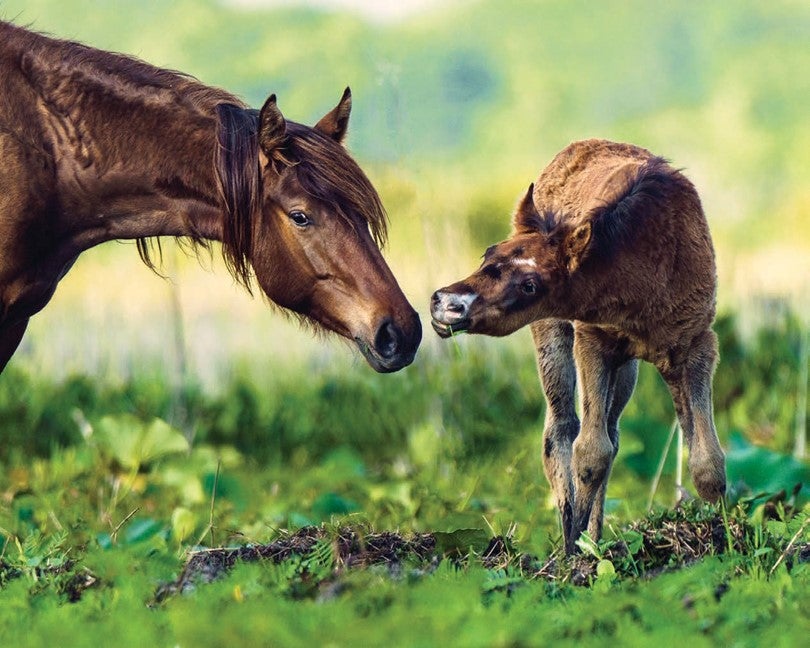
103 498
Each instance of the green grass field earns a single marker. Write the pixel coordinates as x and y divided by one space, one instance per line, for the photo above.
103 499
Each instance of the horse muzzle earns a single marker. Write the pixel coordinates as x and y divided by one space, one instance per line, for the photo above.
393 347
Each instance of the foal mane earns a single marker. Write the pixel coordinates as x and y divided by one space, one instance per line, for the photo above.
615 224
322 166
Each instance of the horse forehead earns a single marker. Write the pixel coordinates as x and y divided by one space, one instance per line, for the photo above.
288 182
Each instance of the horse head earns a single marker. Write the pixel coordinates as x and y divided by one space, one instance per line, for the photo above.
308 224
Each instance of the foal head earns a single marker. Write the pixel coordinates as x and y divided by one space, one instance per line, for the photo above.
522 279
305 220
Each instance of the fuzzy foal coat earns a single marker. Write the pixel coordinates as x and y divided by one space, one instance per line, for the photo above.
610 261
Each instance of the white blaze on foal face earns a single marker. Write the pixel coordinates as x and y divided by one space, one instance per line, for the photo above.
524 263
502 295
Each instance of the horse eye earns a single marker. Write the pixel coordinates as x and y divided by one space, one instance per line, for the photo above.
299 218
528 287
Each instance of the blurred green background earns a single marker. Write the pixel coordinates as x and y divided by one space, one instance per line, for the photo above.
457 107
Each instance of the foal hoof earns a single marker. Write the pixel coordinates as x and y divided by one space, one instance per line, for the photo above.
709 476
711 490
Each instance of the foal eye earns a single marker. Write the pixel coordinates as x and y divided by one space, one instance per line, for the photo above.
529 287
299 218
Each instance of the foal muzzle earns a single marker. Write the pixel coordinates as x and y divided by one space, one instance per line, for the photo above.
450 312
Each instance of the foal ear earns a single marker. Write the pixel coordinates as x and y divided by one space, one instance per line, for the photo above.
335 123
575 246
272 127
526 216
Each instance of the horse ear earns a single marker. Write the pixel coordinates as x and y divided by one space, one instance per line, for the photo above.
272 127
335 123
575 246
526 214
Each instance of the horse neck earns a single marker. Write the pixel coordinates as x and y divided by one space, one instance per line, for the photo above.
134 155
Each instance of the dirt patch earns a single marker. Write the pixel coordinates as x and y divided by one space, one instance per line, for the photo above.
346 548
319 556
667 541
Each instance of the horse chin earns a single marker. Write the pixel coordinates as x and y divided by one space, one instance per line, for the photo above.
380 364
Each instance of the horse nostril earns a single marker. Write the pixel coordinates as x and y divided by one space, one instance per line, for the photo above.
447 302
388 339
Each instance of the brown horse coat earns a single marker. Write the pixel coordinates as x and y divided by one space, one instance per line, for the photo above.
610 261
96 146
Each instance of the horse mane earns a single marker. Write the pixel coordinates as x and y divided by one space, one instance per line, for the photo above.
322 166
648 192
236 162
132 78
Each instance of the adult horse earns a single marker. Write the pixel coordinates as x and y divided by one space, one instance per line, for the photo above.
610 260
96 146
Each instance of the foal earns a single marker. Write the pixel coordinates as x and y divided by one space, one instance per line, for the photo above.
610 260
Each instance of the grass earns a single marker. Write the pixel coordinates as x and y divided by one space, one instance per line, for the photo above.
725 598
101 502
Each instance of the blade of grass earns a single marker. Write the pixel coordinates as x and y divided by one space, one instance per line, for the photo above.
789 545
114 533
659 471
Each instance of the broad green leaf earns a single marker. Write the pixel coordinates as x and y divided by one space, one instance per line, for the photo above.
183 523
161 439
634 541
605 569
133 443
761 469
141 529
329 504
588 545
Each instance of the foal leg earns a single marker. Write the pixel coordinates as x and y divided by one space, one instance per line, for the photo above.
690 383
626 376
598 360
10 338
554 341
